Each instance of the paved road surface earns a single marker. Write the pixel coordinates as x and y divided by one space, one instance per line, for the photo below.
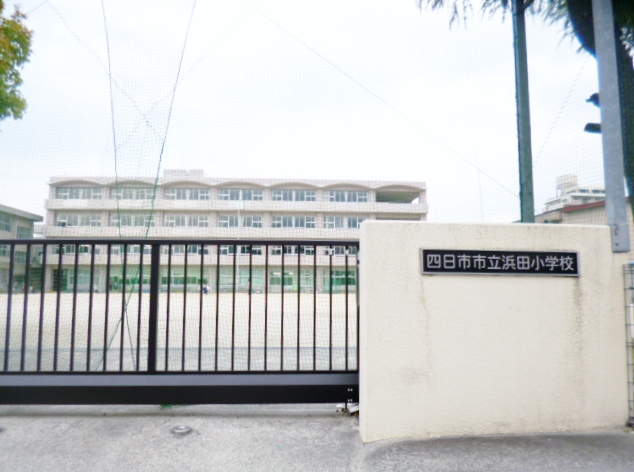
272 438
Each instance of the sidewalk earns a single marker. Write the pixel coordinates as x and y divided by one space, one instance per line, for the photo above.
271 438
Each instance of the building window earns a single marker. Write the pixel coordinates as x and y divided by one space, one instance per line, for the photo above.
227 250
250 221
228 221
333 222
5 223
239 194
78 219
78 193
293 250
132 193
186 194
276 278
355 221
340 251
72 249
20 257
231 221
4 251
65 249
243 250
118 249
339 222
288 195
179 249
347 196
191 221
293 222
338 278
131 219
24 233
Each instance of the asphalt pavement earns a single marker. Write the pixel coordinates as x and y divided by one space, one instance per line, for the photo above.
273 438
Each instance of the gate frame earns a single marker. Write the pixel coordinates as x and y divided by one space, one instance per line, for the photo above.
185 387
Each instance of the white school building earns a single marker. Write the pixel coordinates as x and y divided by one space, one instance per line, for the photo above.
186 204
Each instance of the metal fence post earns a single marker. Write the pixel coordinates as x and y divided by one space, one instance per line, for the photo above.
611 127
522 103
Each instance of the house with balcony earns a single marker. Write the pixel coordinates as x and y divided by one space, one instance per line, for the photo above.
188 205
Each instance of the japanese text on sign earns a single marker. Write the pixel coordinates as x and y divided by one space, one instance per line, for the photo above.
450 261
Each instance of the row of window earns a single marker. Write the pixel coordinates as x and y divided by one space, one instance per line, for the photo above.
226 278
148 193
226 250
200 221
6 224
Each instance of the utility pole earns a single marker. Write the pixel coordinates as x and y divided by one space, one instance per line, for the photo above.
522 102
611 126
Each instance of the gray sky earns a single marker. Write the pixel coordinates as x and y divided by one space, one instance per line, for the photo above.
271 88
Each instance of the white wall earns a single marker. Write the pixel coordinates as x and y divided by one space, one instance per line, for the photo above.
445 355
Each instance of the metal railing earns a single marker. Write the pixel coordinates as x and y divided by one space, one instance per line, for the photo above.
166 306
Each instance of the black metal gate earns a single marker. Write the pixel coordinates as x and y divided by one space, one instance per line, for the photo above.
108 321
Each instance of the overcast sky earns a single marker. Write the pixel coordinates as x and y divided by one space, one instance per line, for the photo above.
349 89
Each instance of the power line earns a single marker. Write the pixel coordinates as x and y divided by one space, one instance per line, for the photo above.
169 115
385 102
561 109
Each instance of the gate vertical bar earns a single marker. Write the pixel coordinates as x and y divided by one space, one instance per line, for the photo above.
217 305
315 248
155 267
73 321
184 310
266 304
9 299
90 305
282 313
60 275
347 295
107 308
250 305
233 306
200 306
330 310
42 292
299 292
123 304
25 312
140 310
168 307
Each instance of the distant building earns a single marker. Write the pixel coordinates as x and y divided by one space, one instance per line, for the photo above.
570 193
14 224
591 213
187 204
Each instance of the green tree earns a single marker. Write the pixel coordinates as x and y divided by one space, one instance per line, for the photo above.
577 17
15 48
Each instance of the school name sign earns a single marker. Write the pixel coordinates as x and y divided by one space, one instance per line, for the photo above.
457 261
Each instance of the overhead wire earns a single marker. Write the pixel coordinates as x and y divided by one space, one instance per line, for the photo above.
383 101
561 109
169 116
164 139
